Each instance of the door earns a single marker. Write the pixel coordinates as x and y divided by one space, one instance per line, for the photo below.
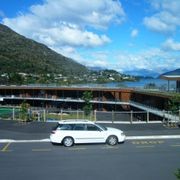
88 133
95 134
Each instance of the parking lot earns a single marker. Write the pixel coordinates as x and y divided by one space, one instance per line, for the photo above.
26 153
135 159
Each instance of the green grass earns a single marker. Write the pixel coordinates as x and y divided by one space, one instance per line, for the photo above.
70 116
7 112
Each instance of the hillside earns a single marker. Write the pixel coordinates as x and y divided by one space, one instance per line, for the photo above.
25 61
22 55
175 72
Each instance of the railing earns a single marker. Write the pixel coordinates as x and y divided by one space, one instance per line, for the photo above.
67 99
165 114
147 110
50 115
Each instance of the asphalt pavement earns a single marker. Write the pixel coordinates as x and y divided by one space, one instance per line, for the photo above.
41 130
139 159
134 159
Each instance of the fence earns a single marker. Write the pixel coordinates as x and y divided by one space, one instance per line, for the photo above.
9 113
99 116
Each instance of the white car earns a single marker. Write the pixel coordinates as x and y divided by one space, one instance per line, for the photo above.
71 132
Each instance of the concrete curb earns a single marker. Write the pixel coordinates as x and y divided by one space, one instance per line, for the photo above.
127 122
127 138
23 141
153 137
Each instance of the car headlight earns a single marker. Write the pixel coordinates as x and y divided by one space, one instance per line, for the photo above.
122 134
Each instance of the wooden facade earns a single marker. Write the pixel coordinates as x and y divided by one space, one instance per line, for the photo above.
105 99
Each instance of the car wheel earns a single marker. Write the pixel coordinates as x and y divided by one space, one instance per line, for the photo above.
68 141
112 140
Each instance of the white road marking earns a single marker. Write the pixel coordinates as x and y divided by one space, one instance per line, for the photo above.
127 122
127 138
23 141
153 137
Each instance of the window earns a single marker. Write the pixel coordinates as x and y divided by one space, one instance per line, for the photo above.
91 127
65 127
80 127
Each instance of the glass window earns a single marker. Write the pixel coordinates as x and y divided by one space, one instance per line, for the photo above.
65 127
91 127
102 127
80 127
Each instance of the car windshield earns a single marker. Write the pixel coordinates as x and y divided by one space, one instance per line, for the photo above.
102 127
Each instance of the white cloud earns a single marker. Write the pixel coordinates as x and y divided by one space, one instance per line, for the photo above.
167 16
153 59
99 63
97 13
63 23
69 36
171 45
65 26
134 33
94 59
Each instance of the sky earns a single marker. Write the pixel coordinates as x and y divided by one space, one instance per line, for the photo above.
129 36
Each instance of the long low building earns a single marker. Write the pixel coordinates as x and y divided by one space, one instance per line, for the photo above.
104 99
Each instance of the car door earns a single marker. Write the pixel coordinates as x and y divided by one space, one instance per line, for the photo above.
79 133
94 134
88 133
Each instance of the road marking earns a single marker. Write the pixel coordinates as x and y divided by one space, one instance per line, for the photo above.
140 142
41 150
144 146
5 148
153 137
109 147
23 141
76 148
175 145
127 122
127 138
148 142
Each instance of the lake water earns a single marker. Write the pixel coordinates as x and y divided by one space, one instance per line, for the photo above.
142 83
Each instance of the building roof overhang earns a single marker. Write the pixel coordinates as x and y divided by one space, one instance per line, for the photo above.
170 77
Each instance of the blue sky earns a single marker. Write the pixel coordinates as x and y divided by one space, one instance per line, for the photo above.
125 35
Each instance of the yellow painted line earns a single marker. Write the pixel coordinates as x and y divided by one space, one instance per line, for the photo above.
109 147
41 150
144 142
156 142
135 142
160 142
76 149
147 142
144 146
5 148
175 145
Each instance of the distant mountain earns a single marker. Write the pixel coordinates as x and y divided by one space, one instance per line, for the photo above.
22 55
145 73
96 68
175 72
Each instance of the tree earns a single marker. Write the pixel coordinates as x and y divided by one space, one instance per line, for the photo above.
174 103
87 97
15 78
177 174
24 107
